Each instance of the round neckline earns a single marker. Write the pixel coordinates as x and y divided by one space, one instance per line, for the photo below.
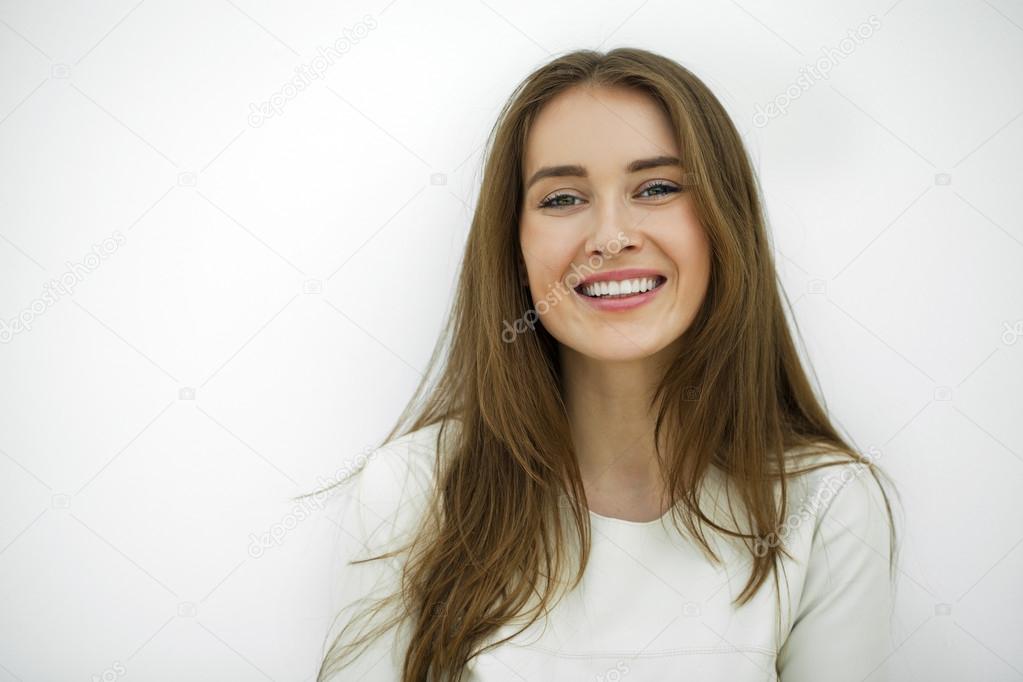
626 522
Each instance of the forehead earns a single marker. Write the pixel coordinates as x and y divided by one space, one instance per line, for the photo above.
600 128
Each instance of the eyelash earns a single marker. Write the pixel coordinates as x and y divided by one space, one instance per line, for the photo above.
548 202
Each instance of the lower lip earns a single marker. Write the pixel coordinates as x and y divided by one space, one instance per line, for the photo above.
624 303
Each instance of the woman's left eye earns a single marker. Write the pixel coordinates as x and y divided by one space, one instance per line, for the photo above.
665 187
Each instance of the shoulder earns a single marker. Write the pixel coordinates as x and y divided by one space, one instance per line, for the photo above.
405 461
841 527
379 508
824 491
391 488
832 486
839 610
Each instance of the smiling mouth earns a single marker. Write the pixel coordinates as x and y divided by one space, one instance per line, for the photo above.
621 289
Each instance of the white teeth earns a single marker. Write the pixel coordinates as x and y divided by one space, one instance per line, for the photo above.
627 286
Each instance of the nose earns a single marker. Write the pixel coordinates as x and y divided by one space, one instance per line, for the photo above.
616 230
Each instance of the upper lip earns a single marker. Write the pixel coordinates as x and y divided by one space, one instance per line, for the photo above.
629 273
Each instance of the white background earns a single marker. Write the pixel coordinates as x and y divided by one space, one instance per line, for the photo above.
280 287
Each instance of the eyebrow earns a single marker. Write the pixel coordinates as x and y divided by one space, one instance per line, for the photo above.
575 170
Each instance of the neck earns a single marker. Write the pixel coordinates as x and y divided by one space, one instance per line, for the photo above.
612 425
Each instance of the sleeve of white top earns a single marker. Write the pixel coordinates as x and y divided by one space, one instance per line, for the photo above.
383 499
842 628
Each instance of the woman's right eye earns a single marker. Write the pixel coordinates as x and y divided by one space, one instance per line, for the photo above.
554 201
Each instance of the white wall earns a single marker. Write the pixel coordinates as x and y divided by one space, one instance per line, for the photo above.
270 288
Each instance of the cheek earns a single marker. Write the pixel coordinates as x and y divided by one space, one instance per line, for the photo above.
689 252
547 252
684 242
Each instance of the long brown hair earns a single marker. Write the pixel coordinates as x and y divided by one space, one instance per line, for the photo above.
737 399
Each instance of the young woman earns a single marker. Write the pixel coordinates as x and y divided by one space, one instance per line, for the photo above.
620 469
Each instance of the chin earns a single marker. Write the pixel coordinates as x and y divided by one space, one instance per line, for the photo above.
613 346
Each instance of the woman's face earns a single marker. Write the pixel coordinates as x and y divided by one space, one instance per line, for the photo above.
602 217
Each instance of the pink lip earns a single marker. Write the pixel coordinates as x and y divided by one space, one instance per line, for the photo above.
625 302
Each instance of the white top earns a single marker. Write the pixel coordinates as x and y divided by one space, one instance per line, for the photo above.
651 606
